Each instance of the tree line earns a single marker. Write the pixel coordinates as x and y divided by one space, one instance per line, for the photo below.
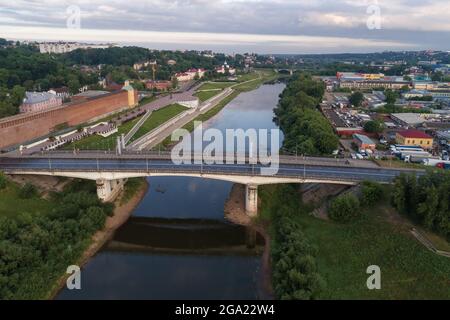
305 128
294 267
23 68
35 250
425 200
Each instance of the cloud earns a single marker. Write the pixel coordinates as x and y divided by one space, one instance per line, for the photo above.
345 19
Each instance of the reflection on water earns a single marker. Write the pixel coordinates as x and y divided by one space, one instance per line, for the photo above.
184 197
177 245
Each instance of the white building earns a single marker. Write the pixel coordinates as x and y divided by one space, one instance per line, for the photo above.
65 47
224 68
190 74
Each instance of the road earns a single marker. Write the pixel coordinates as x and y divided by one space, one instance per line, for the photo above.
302 171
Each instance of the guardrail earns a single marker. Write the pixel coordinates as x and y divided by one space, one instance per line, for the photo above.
137 127
141 142
238 157
248 173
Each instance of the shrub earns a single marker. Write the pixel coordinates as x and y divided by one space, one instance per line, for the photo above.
3 181
372 192
344 208
28 191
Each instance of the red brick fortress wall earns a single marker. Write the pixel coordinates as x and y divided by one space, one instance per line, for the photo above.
21 128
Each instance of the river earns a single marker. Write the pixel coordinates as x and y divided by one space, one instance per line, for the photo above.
177 244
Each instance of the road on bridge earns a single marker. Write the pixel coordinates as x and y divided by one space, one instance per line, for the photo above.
161 166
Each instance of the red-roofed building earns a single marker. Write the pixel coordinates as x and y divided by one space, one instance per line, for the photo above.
414 138
158 85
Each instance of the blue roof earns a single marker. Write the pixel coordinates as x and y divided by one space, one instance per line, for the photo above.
363 139
37 97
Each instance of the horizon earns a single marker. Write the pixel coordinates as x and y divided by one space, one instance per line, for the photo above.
236 26
221 52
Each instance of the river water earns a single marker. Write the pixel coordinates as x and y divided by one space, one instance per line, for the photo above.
177 244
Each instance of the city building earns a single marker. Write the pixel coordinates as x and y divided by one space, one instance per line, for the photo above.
359 76
29 126
158 85
39 101
224 68
373 84
414 138
62 92
141 65
408 119
65 47
364 142
190 75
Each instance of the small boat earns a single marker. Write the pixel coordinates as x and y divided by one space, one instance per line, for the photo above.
159 189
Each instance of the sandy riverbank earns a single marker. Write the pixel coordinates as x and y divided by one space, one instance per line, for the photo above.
235 213
121 215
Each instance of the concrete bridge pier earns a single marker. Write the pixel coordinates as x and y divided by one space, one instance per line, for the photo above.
108 190
251 200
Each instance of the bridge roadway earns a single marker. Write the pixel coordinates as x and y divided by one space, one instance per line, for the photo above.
97 165
110 171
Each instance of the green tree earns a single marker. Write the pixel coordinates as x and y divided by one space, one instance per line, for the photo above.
372 192
28 191
356 99
344 208
3 181
375 126
391 97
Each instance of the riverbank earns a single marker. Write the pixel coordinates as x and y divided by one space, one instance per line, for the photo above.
246 86
121 214
235 212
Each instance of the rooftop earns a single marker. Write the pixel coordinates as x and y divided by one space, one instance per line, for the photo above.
38 97
416 134
363 139
409 118
92 93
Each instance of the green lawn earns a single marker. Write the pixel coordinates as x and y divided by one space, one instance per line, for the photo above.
206 95
215 85
96 142
408 269
11 204
265 75
158 118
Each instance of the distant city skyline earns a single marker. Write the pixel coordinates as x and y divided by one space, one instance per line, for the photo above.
236 26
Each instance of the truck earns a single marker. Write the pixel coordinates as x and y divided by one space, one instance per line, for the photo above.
443 165
396 149
407 154
434 162
415 158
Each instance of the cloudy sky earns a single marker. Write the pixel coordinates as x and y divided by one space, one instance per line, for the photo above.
263 26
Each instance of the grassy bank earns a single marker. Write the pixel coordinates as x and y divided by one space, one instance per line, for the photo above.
258 79
206 95
158 118
409 270
215 85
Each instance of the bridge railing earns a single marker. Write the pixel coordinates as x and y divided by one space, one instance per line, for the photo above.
243 171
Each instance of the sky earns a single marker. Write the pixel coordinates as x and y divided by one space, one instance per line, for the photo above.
235 26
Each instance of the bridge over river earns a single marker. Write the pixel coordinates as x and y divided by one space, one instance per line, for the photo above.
111 170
